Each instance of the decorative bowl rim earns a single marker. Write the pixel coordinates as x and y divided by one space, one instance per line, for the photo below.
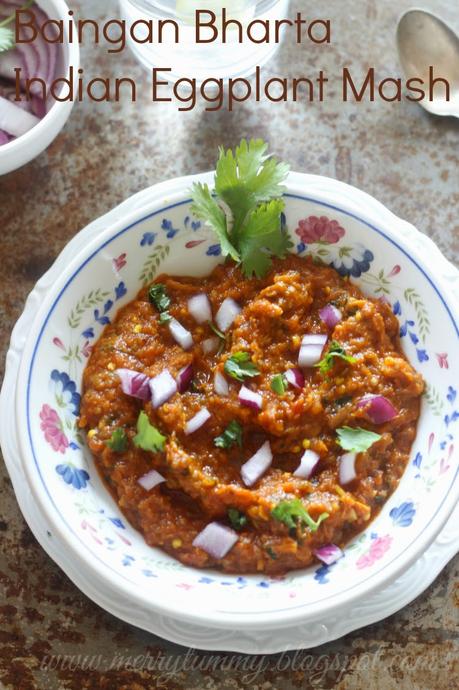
351 202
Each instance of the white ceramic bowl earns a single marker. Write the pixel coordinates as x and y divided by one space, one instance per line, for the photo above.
24 149
102 269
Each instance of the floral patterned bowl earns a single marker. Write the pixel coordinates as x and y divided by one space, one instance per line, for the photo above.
102 269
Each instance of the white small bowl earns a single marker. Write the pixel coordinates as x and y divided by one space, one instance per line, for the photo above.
24 149
101 270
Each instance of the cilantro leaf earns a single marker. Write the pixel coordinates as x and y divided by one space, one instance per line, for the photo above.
279 384
293 513
6 39
263 238
356 440
158 296
7 36
335 351
165 317
118 441
148 437
247 178
206 208
249 183
231 436
238 520
239 366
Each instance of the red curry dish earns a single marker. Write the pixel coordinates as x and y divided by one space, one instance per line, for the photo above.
229 416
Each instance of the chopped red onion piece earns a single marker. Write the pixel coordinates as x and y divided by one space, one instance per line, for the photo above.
329 554
217 540
162 388
250 398
311 350
227 313
197 421
330 315
255 468
180 334
308 465
295 377
378 408
210 345
150 480
184 378
134 384
14 120
200 308
221 386
347 471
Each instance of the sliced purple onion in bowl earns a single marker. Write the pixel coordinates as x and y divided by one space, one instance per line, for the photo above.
221 385
215 539
311 350
347 472
150 480
15 120
250 398
329 554
295 378
257 465
308 465
200 308
227 313
330 315
134 384
196 422
180 334
184 378
378 408
162 387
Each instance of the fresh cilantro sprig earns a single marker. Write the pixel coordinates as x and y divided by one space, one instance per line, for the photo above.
238 520
239 366
7 37
335 351
148 436
356 440
118 442
249 184
231 436
293 513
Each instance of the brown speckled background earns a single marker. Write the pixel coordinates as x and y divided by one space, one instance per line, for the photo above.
398 153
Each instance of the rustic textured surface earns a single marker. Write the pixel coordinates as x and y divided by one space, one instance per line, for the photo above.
409 160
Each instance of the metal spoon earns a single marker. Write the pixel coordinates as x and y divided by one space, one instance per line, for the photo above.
425 41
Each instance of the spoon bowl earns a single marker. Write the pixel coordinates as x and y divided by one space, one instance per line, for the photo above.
425 41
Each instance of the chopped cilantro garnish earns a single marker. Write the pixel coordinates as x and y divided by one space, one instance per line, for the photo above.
148 437
238 520
231 436
219 335
239 366
249 182
335 351
293 513
356 440
217 331
118 441
165 317
271 553
158 296
279 384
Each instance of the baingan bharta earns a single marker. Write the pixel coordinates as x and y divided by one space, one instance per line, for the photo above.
257 419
